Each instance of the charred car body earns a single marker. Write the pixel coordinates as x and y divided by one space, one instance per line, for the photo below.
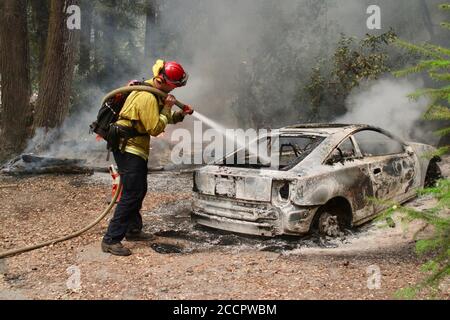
325 178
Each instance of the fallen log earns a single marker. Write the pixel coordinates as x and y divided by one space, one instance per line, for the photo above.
44 161
48 170
28 164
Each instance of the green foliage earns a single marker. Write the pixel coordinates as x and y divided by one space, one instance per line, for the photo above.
406 293
437 246
352 63
437 112
443 132
436 64
423 50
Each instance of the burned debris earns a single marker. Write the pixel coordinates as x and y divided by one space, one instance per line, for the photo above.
26 164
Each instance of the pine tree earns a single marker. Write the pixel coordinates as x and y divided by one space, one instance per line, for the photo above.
436 64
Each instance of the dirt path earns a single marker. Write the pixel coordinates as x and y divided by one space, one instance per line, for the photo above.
186 262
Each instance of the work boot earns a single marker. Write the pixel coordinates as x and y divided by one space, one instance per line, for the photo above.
139 236
116 249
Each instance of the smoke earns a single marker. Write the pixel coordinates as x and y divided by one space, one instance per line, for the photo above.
240 49
248 49
245 56
385 103
72 139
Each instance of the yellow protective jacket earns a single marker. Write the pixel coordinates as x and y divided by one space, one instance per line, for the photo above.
149 115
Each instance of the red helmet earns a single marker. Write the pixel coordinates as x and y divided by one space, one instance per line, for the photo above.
174 74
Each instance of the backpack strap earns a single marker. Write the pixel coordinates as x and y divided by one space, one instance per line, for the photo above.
118 136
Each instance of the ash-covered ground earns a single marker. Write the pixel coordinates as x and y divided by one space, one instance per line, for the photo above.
187 261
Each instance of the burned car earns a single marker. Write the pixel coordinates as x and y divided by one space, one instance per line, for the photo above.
325 180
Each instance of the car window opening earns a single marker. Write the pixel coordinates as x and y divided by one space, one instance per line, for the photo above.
290 152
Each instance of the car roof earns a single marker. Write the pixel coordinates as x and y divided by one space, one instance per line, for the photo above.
323 128
334 133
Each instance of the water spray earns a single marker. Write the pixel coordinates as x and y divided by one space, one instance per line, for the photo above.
241 144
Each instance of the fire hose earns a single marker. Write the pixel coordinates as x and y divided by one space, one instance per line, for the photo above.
126 89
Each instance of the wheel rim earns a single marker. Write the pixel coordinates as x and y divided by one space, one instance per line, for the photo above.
329 225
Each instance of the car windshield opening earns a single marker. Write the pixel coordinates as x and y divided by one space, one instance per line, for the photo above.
277 152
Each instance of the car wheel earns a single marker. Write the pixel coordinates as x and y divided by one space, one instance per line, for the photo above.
328 225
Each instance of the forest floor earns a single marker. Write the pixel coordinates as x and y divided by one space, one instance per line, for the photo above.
186 261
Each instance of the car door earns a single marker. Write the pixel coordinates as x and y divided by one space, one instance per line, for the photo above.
388 165
352 173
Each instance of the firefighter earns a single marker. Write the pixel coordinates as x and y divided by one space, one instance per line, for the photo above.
149 114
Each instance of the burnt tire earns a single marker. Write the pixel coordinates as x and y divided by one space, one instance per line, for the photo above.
433 174
328 223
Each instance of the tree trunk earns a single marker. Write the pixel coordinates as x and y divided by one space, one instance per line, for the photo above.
40 21
85 38
57 73
150 47
15 80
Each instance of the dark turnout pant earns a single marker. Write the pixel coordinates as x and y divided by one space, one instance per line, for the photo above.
127 218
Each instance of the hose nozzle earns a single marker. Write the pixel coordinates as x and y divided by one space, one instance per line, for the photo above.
187 109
